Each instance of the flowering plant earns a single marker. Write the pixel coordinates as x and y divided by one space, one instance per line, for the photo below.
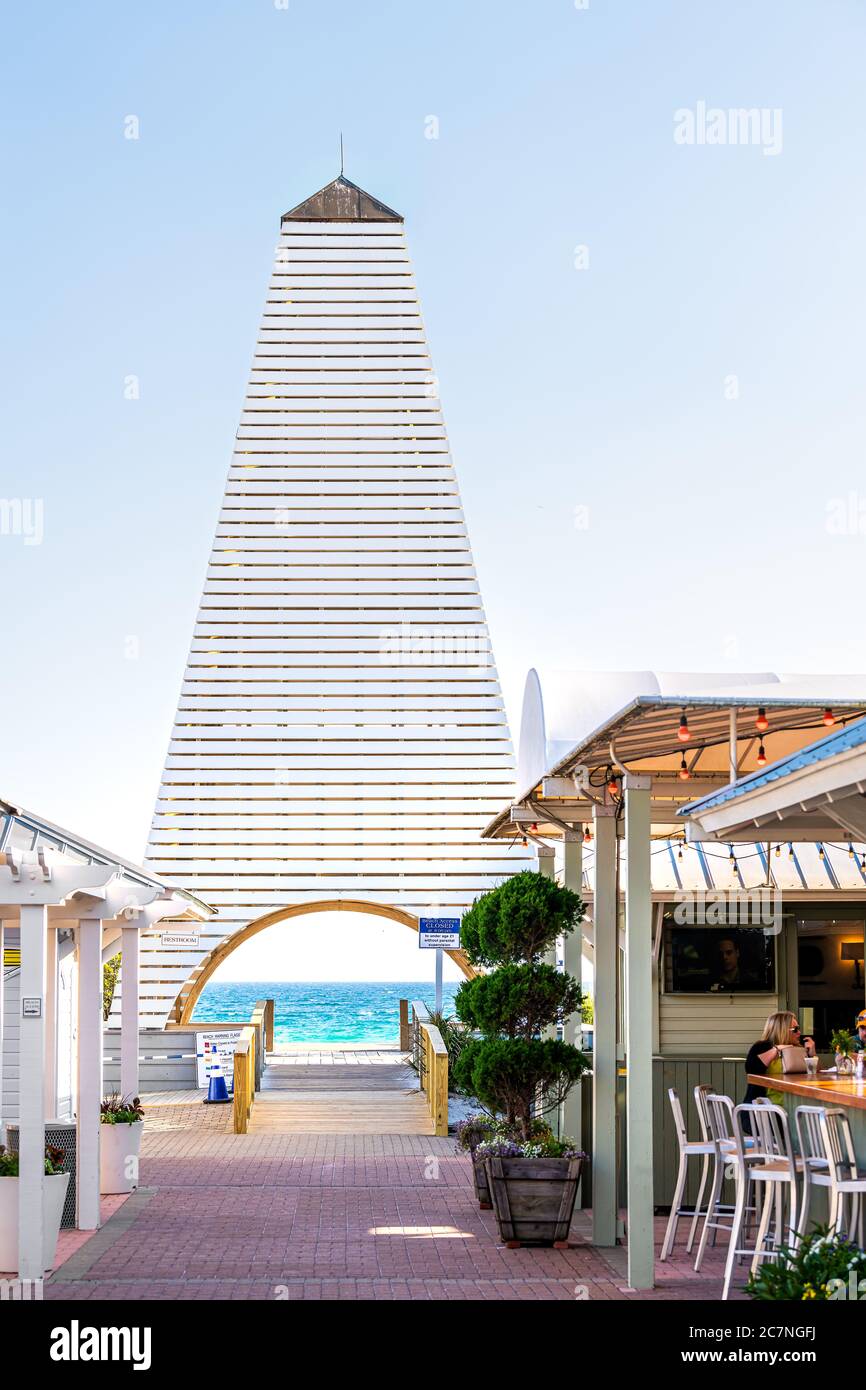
542 1147
481 1128
824 1267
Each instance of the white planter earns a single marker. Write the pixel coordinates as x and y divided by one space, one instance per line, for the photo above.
117 1144
52 1210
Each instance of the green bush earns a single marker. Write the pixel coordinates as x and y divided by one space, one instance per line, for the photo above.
517 1001
512 1069
519 920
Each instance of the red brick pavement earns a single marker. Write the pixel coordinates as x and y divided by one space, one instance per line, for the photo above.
224 1216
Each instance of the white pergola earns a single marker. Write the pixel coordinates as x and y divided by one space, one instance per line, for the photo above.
64 884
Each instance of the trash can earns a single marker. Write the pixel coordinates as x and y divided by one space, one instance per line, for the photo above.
60 1134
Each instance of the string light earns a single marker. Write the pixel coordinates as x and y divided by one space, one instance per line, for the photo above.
762 723
587 838
829 717
680 853
612 785
820 851
684 771
762 756
778 850
683 732
850 850
790 850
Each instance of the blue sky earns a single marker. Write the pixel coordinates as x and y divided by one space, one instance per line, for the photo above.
605 388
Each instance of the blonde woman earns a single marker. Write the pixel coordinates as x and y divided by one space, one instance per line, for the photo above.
765 1056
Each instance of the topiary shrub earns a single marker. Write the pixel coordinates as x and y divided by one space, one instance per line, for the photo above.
510 928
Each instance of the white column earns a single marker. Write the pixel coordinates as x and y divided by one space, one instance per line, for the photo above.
545 858
31 1133
129 1010
89 933
604 924
638 1033
572 877
49 1091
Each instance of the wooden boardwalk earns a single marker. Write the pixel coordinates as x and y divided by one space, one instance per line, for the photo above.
340 1091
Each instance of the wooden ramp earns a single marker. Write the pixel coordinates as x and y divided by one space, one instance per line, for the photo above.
339 1091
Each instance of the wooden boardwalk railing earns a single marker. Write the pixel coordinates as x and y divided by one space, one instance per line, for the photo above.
251 1049
430 1057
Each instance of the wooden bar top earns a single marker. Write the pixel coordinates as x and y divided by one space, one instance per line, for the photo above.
820 1090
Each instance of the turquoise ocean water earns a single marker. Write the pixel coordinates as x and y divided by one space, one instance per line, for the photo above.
310 1011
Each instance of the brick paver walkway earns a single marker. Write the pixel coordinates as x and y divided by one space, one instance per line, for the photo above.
335 1216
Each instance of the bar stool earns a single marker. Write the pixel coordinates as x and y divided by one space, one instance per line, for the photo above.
719 1111
770 1166
702 1148
845 1179
811 1161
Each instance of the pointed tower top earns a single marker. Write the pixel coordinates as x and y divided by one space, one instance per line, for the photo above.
341 201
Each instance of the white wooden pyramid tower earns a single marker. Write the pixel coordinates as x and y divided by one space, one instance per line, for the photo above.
340 734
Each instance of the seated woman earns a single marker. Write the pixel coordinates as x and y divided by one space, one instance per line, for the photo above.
765 1056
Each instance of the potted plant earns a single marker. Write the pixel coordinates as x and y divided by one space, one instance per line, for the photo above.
840 1042
54 1195
121 1124
513 1068
471 1136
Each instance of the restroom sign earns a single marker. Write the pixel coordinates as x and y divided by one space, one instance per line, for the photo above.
439 933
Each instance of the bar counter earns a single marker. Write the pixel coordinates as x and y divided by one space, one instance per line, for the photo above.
818 1090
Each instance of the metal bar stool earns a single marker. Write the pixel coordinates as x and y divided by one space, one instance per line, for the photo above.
704 1149
719 1111
845 1179
768 1165
811 1160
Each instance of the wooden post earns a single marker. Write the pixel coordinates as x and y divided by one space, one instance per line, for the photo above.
639 996
572 877
604 920
404 1025
31 1132
89 932
129 1010
49 1093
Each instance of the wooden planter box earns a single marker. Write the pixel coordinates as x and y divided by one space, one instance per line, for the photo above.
533 1198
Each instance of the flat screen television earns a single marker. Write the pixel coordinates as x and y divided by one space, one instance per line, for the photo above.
719 960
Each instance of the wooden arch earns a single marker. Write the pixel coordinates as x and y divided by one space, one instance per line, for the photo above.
188 997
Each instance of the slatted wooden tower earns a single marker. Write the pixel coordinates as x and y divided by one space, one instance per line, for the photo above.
340 733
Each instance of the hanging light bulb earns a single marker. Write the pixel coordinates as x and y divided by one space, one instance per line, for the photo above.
863 863
829 717
778 850
680 853
684 771
820 851
534 828
683 731
524 841
790 850
762 756
587 838
850 850
762 723
731 853
612 785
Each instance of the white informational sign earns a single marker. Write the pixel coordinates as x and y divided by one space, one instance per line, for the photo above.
211 1048
187 940
439 933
